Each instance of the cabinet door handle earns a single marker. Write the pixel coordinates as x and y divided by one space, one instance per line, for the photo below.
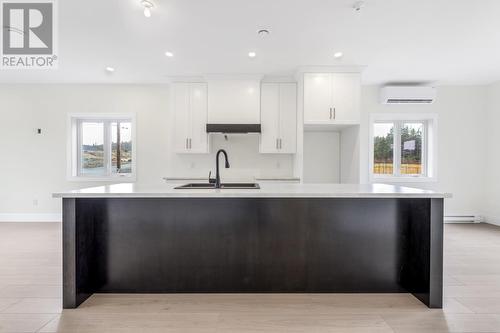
187 143
276 143
334 113
280 144
190 145
330 113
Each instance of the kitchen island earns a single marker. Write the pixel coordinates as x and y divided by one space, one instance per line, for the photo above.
281 238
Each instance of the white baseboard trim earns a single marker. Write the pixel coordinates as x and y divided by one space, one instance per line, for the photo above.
492 219
30 217
463 219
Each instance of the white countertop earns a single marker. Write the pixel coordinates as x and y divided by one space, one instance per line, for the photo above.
267 190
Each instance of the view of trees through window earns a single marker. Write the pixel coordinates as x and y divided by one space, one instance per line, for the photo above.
95 146
410 161
384 149
411 148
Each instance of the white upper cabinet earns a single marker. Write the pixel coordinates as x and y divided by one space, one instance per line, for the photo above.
332 98
346 91
278 118
234 101
318 98
190 118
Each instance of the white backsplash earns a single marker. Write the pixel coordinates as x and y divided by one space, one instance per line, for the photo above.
246 161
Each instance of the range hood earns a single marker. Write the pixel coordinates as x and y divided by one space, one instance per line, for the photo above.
234 105
233 128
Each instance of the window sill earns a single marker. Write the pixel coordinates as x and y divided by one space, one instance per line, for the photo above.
403 180
128 179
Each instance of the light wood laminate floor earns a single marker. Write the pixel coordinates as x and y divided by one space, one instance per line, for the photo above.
30 296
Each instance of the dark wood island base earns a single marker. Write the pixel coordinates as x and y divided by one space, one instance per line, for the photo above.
252 245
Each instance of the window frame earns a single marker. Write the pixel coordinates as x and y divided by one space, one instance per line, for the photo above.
74 141
429 147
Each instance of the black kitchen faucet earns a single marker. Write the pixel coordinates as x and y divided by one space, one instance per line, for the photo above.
217 174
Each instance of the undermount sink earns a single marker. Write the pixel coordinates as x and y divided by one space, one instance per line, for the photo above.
222 186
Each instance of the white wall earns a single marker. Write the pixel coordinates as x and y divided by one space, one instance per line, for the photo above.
33 166
461 152
331 156
492 162
321 157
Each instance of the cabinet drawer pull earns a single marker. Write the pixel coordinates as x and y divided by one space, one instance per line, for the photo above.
330 113
334 113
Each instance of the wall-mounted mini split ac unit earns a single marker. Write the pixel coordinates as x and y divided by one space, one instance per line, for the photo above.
407 95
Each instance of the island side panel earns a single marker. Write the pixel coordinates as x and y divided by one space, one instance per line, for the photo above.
436 255
82 262
422 273
69 254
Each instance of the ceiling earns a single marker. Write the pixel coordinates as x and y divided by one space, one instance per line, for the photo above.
436 41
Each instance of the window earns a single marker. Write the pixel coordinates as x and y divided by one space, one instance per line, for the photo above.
403 147
102 147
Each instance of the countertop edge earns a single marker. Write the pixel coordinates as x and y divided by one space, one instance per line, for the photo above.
250 195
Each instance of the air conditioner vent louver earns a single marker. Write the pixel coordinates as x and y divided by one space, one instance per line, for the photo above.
409 101
407 95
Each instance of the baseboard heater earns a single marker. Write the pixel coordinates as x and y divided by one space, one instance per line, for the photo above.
463 219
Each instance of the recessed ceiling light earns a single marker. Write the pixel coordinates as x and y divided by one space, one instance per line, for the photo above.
110 69
338 55
169 54
147 7
252 54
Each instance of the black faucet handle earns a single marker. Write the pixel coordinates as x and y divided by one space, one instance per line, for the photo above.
211 180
